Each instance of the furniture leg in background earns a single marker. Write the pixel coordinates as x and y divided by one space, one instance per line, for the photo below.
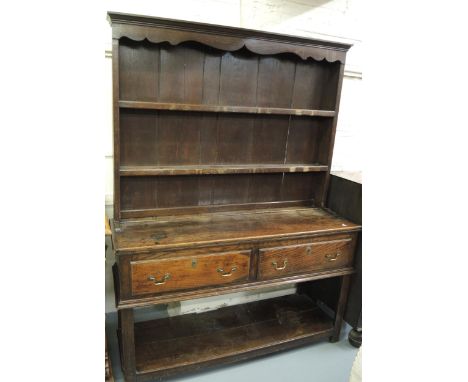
345 198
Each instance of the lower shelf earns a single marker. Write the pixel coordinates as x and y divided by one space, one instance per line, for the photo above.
177 344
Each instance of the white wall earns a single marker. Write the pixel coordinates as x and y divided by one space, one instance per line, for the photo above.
336 20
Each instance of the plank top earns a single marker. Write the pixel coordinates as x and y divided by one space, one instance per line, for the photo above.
224 228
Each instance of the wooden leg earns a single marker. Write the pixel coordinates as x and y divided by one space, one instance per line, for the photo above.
340 307
127 344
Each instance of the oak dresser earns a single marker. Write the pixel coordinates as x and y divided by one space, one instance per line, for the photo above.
223 141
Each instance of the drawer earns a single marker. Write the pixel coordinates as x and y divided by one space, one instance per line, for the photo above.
305 258
154 276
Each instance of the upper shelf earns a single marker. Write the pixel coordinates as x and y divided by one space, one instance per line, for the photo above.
224 109
219 169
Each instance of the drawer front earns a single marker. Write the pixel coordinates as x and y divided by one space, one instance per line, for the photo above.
153 276
304 258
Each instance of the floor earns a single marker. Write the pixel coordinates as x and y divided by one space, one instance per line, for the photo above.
319 362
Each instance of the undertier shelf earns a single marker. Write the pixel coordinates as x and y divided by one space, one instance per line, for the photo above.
220 169
226 335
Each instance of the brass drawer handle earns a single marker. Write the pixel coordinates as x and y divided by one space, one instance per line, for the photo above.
333 257
275 265
166 277
226 274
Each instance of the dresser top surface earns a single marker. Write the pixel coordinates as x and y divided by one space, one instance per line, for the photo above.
225 228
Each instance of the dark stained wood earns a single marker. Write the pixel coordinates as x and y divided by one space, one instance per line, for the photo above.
223 141
238 79
331 141
269 139
211 77
208 139
340 307
126 337
315 85
181 74
151 195
139 71
235 139
266 187
116 125
218 169
157 30
177 138
206 208
148 300
138 138
289 260
172 74
302 141
226 333
226 227
345 198
157 276
297 186
277 93
127 104
140 193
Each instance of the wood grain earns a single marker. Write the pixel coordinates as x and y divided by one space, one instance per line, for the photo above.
223 140
127 344
218 169
309 257
210 208
128 104
139 70
116 124
154 29
226 227
148 300
139 136
178 342
157 276
340 307
150 196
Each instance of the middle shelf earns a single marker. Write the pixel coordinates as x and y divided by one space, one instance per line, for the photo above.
125 104
219 169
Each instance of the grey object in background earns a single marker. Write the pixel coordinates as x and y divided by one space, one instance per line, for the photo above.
345 198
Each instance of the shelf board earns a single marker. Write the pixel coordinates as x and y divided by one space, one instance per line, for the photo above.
224 109
174 344
219 169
